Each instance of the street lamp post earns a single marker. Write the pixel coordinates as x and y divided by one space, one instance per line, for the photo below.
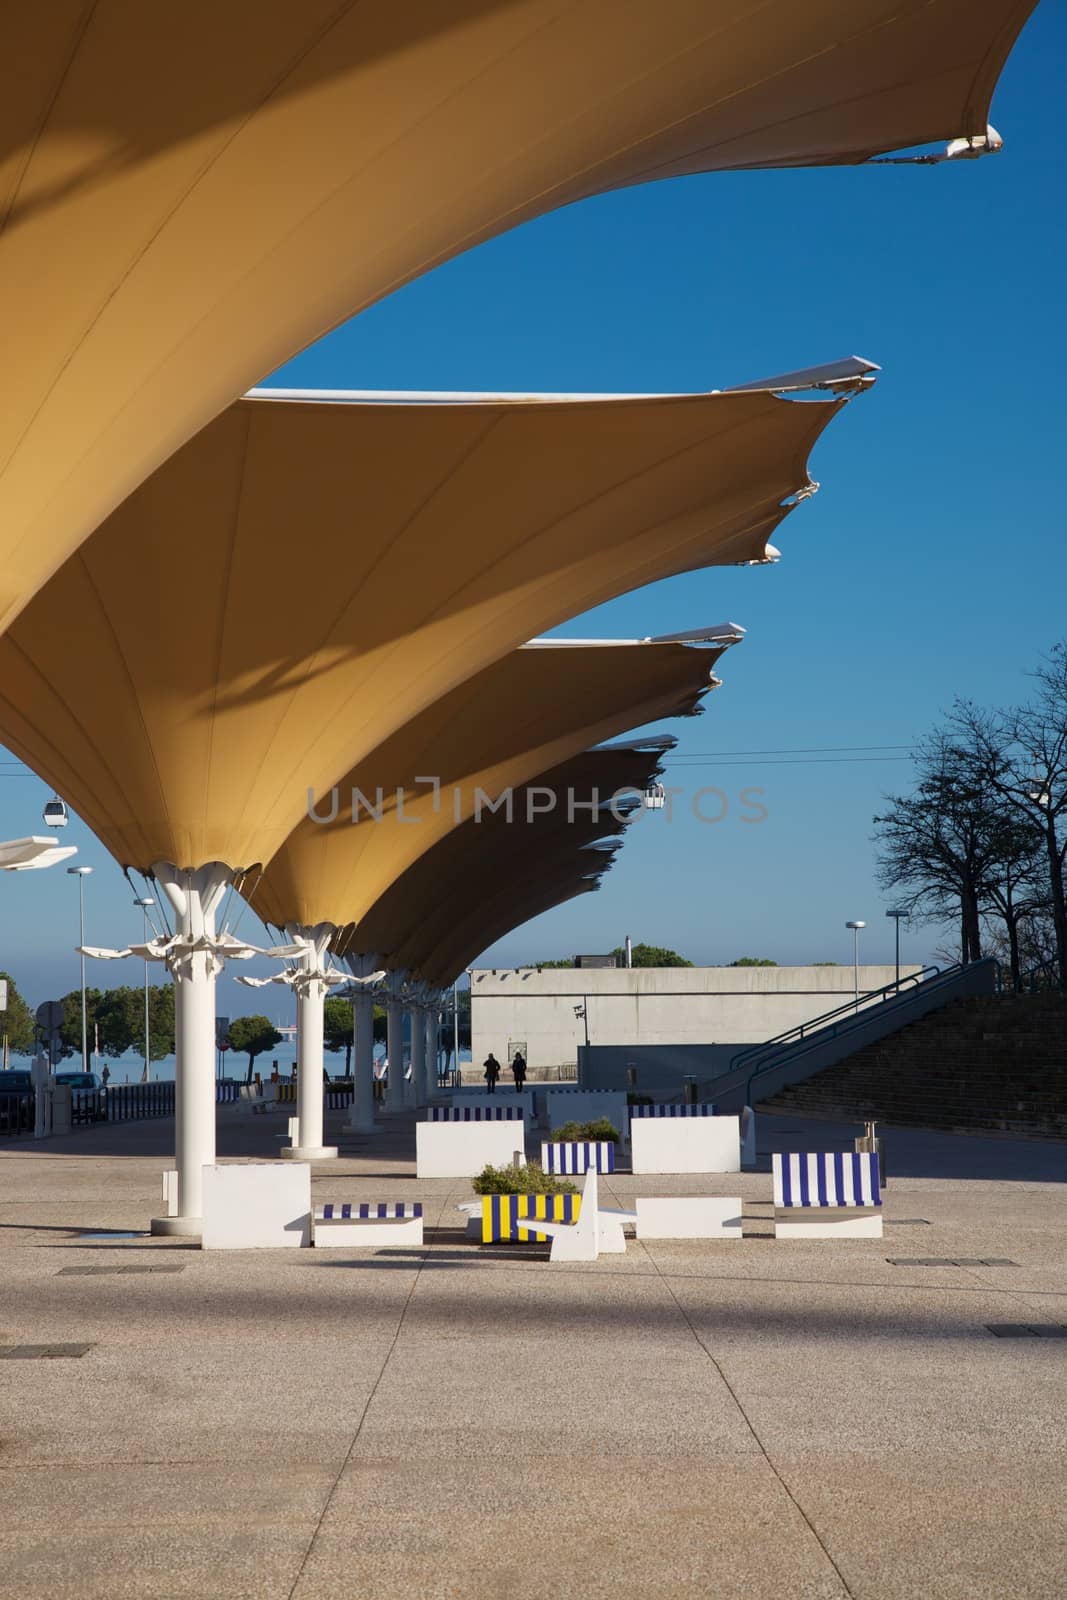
582 1012
144 904
455 1029
81 873
856 926
896 916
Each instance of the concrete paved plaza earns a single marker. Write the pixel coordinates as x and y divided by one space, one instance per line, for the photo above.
717 1420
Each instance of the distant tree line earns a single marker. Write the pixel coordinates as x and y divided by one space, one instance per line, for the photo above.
981 839
643 955
114 1020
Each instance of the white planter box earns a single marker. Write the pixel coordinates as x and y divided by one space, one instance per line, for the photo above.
685 1144
461 1149
261 1205
689 1217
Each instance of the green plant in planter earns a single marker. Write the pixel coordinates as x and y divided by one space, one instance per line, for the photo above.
530 1179
635 1099
579 1132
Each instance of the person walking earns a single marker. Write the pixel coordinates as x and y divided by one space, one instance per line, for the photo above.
518 1071
492 1072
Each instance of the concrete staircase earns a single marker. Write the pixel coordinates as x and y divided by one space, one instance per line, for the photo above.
985 1063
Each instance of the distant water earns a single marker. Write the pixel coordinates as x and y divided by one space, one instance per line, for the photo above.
128 1068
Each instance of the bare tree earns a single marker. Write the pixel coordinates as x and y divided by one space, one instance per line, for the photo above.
941 848
1022 756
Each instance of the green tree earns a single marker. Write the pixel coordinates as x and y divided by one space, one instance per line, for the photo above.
764 961
161 1019
337 1029
652 955
17 1023
70 1029
251 1036
122 1020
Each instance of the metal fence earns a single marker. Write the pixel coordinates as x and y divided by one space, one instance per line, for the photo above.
16 1112
122 1102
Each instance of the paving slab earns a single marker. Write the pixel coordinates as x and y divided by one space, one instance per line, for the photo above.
644 1526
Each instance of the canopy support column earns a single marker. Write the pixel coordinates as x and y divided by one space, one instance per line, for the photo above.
361 1119
394 1012
433 1045
311 983
194 896
418 1054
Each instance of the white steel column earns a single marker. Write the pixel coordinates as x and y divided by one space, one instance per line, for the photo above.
367 973
394 1012
194 896
433 1044
361 1119
311 981
418 1054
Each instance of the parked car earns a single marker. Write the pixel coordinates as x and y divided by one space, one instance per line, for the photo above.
79 1080
16 1100
87 1100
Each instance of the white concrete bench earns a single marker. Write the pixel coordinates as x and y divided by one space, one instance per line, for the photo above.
689 1217
827 1195
489 1111
368 1224
573 1157
671 1108
258 1100
505 1098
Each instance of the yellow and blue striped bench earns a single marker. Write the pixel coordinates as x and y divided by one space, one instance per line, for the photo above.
504 1214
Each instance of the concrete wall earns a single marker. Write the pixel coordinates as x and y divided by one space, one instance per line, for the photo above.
722 1006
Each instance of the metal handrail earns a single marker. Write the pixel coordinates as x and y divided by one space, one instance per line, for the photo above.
800 1031
1027 982
856 1020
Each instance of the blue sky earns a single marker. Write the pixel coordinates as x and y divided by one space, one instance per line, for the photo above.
930 564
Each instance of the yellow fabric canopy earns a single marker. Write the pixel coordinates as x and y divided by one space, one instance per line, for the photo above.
301 580
457 954
467 751
528 896
459 878
192 192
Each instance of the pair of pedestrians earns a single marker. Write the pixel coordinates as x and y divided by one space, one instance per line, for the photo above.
492 1071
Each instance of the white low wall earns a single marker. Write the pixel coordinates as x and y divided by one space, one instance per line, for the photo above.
685 1144
731 1006
462 1149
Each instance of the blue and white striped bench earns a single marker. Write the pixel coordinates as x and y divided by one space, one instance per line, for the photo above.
575 1156
369 1222
475 1114
704 1109
827 1194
